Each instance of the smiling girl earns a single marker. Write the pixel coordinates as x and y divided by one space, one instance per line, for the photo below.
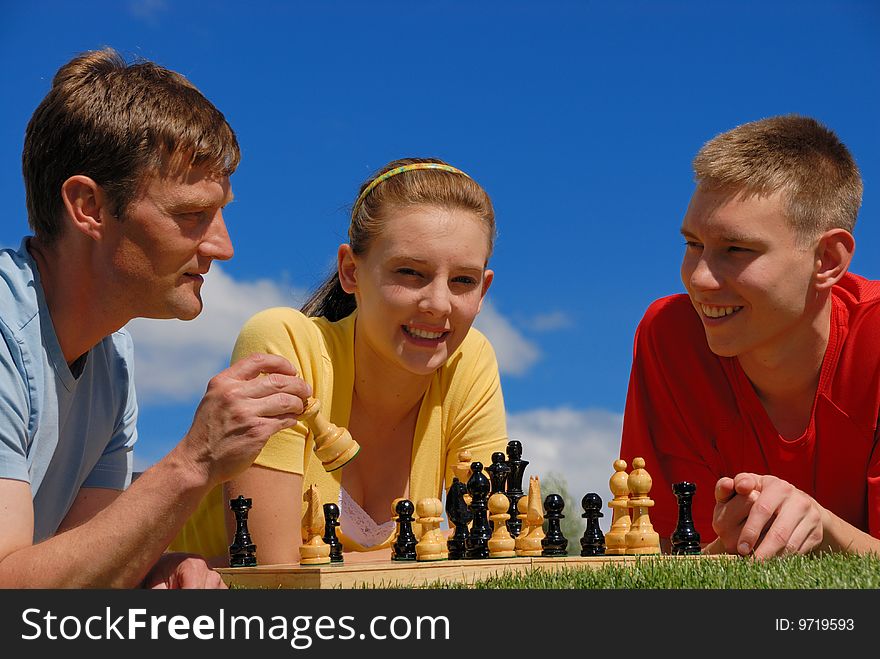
388 348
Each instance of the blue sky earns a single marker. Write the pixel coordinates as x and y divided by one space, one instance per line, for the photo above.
579 118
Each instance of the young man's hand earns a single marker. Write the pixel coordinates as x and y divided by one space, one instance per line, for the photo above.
243 406
765 516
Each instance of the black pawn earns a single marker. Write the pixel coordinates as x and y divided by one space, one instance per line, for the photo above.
404 548
554 543
593 540
459 516
242 552
685 539
477 545
331 521
514 490
498 471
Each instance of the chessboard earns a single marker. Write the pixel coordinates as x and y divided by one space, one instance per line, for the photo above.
495 529
415 574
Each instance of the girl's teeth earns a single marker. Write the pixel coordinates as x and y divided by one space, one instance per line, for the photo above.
422 334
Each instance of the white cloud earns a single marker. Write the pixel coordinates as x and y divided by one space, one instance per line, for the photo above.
551 321
516 354
174 360
580 445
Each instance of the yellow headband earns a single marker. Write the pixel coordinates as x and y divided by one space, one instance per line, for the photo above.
400 170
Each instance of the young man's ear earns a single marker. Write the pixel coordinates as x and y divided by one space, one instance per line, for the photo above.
347 268
86 205
834 253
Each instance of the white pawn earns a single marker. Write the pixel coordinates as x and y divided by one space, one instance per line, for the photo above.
501 544
432 545
615 539
462 471
641 538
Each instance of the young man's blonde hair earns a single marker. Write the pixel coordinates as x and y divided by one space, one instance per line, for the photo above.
796 155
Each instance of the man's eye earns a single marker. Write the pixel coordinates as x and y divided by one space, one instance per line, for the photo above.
735 248
408 272
190 215
692 244
467 281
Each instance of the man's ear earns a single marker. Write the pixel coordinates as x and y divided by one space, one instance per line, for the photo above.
86 205
834 253
347 268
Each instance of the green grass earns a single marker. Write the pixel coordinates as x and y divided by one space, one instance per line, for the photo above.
833 571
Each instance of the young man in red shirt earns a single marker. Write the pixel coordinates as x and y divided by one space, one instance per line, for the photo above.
762 384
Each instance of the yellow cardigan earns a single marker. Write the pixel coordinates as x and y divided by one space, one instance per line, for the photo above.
463 409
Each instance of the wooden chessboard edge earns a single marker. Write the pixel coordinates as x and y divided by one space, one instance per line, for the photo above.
390 574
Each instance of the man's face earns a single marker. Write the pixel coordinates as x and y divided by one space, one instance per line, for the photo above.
748 277
165 242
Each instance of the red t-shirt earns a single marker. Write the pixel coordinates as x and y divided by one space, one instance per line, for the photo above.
694 416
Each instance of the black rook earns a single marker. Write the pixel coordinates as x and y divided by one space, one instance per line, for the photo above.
685 539
242 552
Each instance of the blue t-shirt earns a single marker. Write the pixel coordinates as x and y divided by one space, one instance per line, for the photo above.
61 428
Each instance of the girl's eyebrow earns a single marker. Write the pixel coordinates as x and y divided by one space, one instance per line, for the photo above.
423 262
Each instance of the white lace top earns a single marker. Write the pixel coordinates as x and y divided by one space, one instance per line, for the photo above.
357 524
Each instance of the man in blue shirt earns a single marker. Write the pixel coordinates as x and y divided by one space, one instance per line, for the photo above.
126 169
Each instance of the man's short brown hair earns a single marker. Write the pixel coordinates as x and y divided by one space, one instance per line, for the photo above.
793 154
117 123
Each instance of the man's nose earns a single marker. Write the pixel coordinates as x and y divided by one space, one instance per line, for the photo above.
216 243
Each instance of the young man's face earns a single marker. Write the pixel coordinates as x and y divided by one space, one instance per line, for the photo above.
748 277
166 241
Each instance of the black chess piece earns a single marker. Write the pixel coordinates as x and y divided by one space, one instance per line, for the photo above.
593 540
477 544
685 539
404 548
514 491
459 516
242 551
331 521
554 543
498 471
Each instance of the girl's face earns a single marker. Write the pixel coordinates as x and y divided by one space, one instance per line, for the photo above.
419 285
